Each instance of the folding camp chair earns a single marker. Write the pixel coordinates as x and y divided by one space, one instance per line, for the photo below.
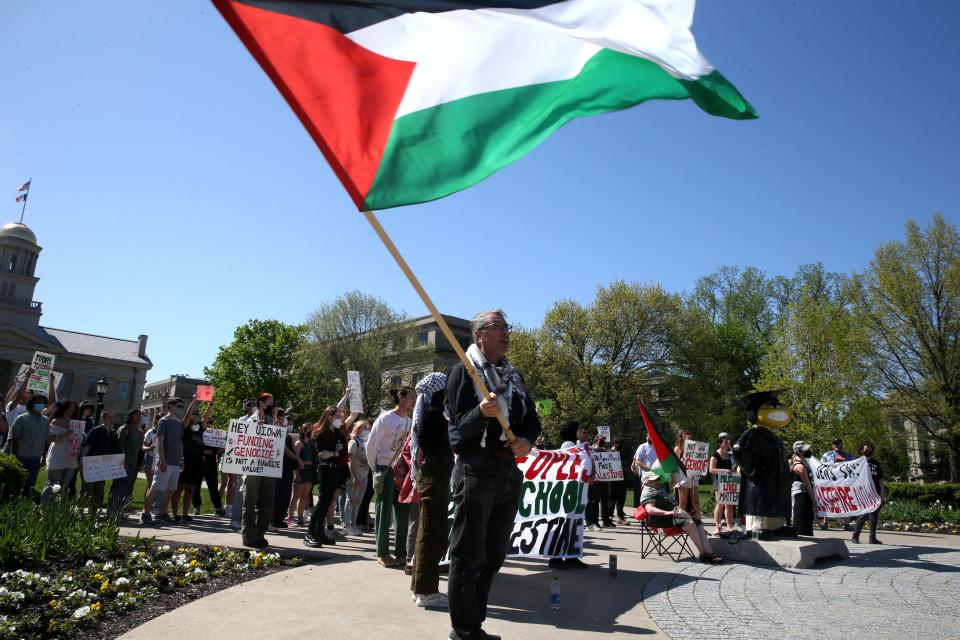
672 542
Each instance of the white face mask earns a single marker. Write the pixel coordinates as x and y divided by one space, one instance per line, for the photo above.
195 427
337 422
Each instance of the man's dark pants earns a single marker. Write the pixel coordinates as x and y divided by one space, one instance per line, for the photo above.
433 483
211 477
862 520
283 491
32 465
618 495
486 495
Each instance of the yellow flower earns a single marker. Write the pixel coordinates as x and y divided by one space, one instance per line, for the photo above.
52 603
97 576
193 549
258 561
181 549
104 585
95 607
194 563
216 549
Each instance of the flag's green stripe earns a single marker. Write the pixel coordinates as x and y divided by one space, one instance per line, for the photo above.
435 152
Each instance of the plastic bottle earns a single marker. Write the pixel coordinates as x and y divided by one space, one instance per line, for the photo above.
555 593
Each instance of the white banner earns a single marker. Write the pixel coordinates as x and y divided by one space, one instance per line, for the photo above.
254 449
215 438
844 489
356 392
549 523
696 455
606 466
108 467
728 487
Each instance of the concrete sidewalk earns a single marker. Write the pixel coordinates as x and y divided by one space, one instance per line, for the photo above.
347 594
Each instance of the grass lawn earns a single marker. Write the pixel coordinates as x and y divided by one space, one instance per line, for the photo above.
139 489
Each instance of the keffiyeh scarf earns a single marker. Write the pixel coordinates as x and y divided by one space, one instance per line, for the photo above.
501 379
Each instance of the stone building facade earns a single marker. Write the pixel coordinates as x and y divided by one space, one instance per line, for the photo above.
410 369
156 394
81 358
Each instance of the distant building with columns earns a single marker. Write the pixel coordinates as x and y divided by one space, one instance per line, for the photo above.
82 358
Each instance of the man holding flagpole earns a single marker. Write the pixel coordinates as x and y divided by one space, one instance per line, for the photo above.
486 481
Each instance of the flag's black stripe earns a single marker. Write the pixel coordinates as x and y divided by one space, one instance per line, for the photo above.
356 14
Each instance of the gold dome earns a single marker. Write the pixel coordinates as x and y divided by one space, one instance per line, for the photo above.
18 230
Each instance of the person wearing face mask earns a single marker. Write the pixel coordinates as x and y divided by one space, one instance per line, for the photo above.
876 474
304 477
258 491
284 485
29 437
192 474
327 445
357 482
801 489
101 441
344 426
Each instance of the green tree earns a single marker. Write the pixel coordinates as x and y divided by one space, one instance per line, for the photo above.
909 302
260 358
354 332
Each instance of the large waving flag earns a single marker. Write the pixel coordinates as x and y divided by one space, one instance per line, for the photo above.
412 100
668 466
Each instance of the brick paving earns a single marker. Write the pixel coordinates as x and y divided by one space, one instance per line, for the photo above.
881 592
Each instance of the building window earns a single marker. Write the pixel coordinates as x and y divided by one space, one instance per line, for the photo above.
123 392
423 338
92 387
13 263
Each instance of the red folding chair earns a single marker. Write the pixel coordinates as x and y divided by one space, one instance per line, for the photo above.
672 542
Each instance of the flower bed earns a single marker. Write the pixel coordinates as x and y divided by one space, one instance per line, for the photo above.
102 597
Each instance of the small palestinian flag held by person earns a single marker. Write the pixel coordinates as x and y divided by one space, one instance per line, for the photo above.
412 100
668 466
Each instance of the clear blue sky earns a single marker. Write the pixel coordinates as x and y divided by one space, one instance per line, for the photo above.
175 194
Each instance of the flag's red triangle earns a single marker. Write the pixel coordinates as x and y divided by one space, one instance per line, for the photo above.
664 451
345 95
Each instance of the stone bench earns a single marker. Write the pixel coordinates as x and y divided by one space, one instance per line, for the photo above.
793 553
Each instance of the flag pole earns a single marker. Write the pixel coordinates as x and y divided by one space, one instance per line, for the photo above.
444 328
23 210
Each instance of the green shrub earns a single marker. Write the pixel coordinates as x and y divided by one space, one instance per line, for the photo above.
946 494
12 476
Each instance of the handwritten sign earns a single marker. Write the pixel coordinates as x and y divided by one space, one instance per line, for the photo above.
100 468
22 375
42 365
695 457
215 438
728 487
844 489
77 430
254 449
604 432
204 393
606 466
356 392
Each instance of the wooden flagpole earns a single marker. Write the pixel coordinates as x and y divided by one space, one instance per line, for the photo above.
477 378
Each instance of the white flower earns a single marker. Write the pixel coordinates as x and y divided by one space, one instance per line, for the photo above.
134 554
122 581
165 547
108 566
55 489
89 563
82 611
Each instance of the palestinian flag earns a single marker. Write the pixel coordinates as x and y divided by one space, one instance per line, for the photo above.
668 466
412 100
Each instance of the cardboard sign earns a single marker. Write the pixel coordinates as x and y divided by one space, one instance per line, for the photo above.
22 375
356 392
77 431
254 449
728 487
696 455
606 466
604 432
215 438
844 489
99 468
42 368
545 407
204 393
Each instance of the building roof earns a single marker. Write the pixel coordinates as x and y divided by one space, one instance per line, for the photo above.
86 344
18 230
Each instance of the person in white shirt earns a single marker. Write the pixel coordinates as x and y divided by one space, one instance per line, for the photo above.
643 460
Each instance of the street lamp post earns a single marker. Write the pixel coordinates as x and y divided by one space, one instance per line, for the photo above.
102 386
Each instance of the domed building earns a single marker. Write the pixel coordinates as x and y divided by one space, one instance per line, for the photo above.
82 359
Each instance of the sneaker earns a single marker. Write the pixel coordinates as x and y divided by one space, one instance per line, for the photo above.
236 526
875 541
164 517
432 601
146 520
257 544
187 518
300 521
176 518
279 524
855 540
221 512
228 511
387 561
196 511
310 541
711 558
407 569
353 531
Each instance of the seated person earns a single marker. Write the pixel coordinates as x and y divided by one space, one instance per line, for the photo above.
664 513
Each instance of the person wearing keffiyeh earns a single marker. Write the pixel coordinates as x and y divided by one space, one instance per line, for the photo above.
486 482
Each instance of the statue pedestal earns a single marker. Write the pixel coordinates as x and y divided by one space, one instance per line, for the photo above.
793 553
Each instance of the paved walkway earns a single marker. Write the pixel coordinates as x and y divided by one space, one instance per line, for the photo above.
909 585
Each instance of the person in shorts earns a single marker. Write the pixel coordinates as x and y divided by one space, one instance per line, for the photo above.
665 513
169 443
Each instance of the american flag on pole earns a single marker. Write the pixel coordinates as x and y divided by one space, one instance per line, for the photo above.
25 186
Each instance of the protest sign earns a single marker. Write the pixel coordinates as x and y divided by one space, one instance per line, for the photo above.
549 523
695 457
22 375
254 449
728 486
216 438
844 489
108 467
77 431
42 368
356 392
545 407
603 432
606 466
204 393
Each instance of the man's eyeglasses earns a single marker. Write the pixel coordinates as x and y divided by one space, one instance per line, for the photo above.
498 326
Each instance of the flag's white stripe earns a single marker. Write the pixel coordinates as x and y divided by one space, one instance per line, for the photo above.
466 52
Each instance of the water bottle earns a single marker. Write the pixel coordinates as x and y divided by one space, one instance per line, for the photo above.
555 593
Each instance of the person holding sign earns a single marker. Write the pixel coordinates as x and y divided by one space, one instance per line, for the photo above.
801 489
101 441
876 475
60 464
28 440
721 460
486 481
258 490
327 442
191 475
688 497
